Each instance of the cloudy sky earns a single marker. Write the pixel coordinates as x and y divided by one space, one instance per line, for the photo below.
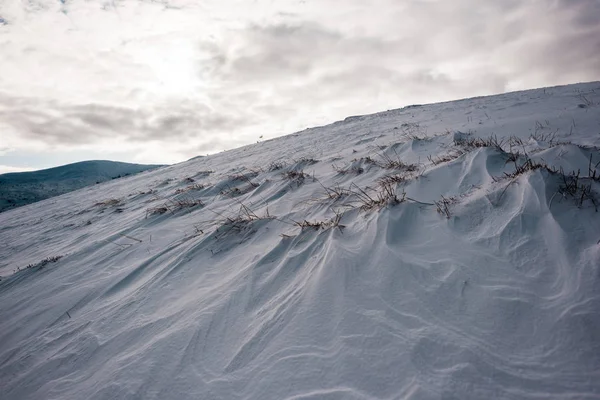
160 81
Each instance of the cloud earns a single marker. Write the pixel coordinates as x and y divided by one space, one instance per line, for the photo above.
5 169
172 78
55 124
436 51
298 71
456 40
4 150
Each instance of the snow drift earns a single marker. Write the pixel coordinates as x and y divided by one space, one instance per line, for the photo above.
445 251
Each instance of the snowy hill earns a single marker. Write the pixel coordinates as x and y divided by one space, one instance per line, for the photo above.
445 251
20 188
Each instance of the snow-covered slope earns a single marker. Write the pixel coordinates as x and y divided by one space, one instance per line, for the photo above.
434 252
20 188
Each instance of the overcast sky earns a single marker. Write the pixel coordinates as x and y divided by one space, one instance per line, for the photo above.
160 81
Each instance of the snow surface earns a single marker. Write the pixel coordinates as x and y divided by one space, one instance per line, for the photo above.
492 293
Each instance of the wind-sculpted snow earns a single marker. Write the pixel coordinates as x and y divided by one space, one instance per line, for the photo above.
446 251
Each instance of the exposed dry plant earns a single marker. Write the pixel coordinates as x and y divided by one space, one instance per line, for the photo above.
393 179
166 182
540 126
333 222
142 193
197 186
173 206
385 196
395 163
555 143
245 215
586 102
157 210
471 142
232 192
296 177
185 203
541 136
202 174
353 169
335 192
512 158
255 171
413 131
528 165
574 187
108 203
43 263
443 205
365 160
306 161
276 166
416 137
593 173
246 178
515 142
452 155
240 222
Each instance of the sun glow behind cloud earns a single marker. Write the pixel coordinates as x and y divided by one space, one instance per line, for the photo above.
173 65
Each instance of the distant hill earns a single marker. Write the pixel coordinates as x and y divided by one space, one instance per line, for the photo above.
21 188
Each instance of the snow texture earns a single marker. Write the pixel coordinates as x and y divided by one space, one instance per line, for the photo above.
441 251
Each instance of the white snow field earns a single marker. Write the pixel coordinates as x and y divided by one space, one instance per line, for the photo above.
442 251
